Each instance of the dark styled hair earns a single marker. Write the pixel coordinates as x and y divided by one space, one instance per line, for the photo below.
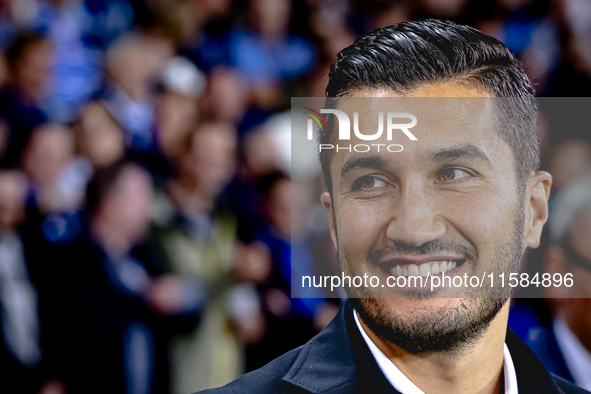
404 57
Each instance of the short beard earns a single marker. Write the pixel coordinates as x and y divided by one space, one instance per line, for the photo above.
429 329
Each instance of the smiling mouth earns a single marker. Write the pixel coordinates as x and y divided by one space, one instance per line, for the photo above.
430 268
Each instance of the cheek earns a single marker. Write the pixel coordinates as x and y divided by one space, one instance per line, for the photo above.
361 225
482 217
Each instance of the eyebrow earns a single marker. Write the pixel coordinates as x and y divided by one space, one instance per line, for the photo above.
353 163
457 152
464 151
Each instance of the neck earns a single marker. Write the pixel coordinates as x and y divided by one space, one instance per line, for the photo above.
475 370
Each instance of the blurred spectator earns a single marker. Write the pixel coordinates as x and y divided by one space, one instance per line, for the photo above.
197 235
75 72
133 67
28 60
565 348
135 63
98 137
227 95
263 51
177 109
284 235
54 186
20 347
107 20
122 301
266 53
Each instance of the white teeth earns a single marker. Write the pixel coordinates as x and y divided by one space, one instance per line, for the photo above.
424 269
435 269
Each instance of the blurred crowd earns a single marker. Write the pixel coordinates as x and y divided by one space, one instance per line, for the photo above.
146 187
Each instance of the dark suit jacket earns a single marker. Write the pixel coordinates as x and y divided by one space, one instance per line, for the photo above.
338 361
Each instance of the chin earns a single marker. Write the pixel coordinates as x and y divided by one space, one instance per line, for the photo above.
429 325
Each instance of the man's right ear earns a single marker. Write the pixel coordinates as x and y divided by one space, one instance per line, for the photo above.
327 201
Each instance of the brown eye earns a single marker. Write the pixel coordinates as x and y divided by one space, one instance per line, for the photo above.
452 174
367 182
448 174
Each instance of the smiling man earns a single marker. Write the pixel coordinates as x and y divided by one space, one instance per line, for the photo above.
462 200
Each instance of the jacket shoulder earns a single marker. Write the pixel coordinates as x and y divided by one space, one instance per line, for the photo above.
267 379
568 387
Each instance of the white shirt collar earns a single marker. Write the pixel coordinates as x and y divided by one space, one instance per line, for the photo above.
576 356
403 384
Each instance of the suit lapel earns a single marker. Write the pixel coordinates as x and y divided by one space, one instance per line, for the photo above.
532 376
338 361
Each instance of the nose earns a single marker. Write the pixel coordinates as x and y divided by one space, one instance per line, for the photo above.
416 219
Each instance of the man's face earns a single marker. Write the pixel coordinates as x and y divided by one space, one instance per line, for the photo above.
448 201
212 157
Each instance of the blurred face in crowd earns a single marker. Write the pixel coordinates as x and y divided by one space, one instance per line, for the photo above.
13 186
211 158
284 197
48 151
99 139
135 62
270 17
227 95
127 205
31 71
448 202
177 116
260 153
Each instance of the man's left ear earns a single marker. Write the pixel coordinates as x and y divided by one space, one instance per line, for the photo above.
537 195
